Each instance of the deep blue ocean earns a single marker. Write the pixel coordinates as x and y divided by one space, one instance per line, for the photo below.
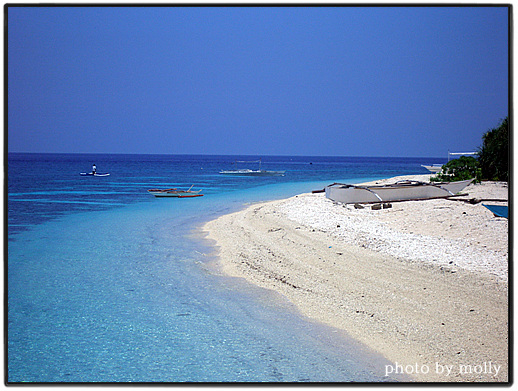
107 283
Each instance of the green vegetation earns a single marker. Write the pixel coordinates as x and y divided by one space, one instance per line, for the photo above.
493 156
492 163
466 167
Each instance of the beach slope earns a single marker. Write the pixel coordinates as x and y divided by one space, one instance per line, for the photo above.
423 283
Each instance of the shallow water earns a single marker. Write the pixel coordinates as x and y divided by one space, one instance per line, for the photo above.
115 286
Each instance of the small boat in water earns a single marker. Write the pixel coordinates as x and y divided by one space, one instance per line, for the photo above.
174 192
434 168
437 168
249 172
399 191
177 194
92 174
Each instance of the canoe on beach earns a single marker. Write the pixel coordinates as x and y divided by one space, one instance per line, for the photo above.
399 191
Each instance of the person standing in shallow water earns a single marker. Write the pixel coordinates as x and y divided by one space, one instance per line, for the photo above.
94 169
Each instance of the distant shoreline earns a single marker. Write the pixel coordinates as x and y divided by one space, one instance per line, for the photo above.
422 283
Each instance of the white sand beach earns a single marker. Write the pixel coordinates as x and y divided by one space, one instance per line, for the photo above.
423 282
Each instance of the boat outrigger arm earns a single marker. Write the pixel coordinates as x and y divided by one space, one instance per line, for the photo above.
440 187
366 188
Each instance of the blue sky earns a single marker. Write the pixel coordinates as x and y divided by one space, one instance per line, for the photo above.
340 81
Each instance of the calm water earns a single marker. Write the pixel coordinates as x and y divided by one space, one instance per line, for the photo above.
109 284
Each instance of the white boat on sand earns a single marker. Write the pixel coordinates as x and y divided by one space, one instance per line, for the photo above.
399 191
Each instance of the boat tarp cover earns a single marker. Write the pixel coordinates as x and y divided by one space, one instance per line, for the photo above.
498 210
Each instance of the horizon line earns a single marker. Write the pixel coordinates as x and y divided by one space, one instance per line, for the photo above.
219 154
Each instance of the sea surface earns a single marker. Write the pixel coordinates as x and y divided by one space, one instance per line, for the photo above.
107 283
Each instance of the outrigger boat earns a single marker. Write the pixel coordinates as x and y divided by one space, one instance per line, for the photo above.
434 168
174 192
249 172
399 191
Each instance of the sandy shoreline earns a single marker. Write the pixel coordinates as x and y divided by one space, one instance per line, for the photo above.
422 282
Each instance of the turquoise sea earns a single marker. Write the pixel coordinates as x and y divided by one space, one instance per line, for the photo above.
106 283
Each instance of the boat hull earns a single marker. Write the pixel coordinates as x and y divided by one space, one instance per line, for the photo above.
350 194
435 169
92 174
175 192
177 195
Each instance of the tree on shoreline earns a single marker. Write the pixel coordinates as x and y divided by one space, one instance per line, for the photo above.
465 167
492 162
493 156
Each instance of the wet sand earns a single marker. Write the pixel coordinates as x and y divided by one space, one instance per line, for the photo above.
423 283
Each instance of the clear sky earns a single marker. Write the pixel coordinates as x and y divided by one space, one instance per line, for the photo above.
340 81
